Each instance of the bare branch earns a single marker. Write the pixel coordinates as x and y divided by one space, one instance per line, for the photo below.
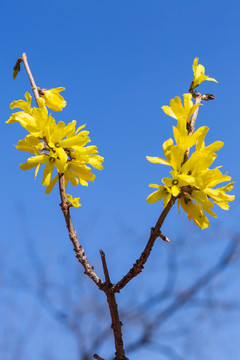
80 253
97 357
105 269
116 323
198 100
31 79
139 264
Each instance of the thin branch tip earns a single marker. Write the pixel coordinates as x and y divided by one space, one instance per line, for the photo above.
164 238
96 356
101 252
105 269
208 97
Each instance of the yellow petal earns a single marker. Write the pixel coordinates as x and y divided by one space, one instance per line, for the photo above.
70 177
176 106
177 156
168 110
34 161
167 145
175 190
74 202
154 186
157 160
36 170
199 75
166 200
54 100
47 173
22 104
155 196
195 64
51 185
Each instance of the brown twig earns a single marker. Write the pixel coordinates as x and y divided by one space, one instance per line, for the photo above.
112 304
80 253
191 127
198 100
31 79
139 264
96 356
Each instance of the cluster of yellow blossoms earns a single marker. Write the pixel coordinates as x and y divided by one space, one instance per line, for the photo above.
191 182
56 145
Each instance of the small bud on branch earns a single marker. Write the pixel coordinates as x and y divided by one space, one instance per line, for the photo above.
16 68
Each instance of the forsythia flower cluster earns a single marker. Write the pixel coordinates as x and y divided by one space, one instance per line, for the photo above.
191 181
56 145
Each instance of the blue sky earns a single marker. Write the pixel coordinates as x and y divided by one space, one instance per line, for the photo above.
119 61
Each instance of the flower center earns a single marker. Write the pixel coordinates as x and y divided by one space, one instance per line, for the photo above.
175 182
52 159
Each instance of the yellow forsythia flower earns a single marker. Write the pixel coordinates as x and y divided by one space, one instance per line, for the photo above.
53 99
177 110
163 192
74 202
56 145
192 182
199 74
